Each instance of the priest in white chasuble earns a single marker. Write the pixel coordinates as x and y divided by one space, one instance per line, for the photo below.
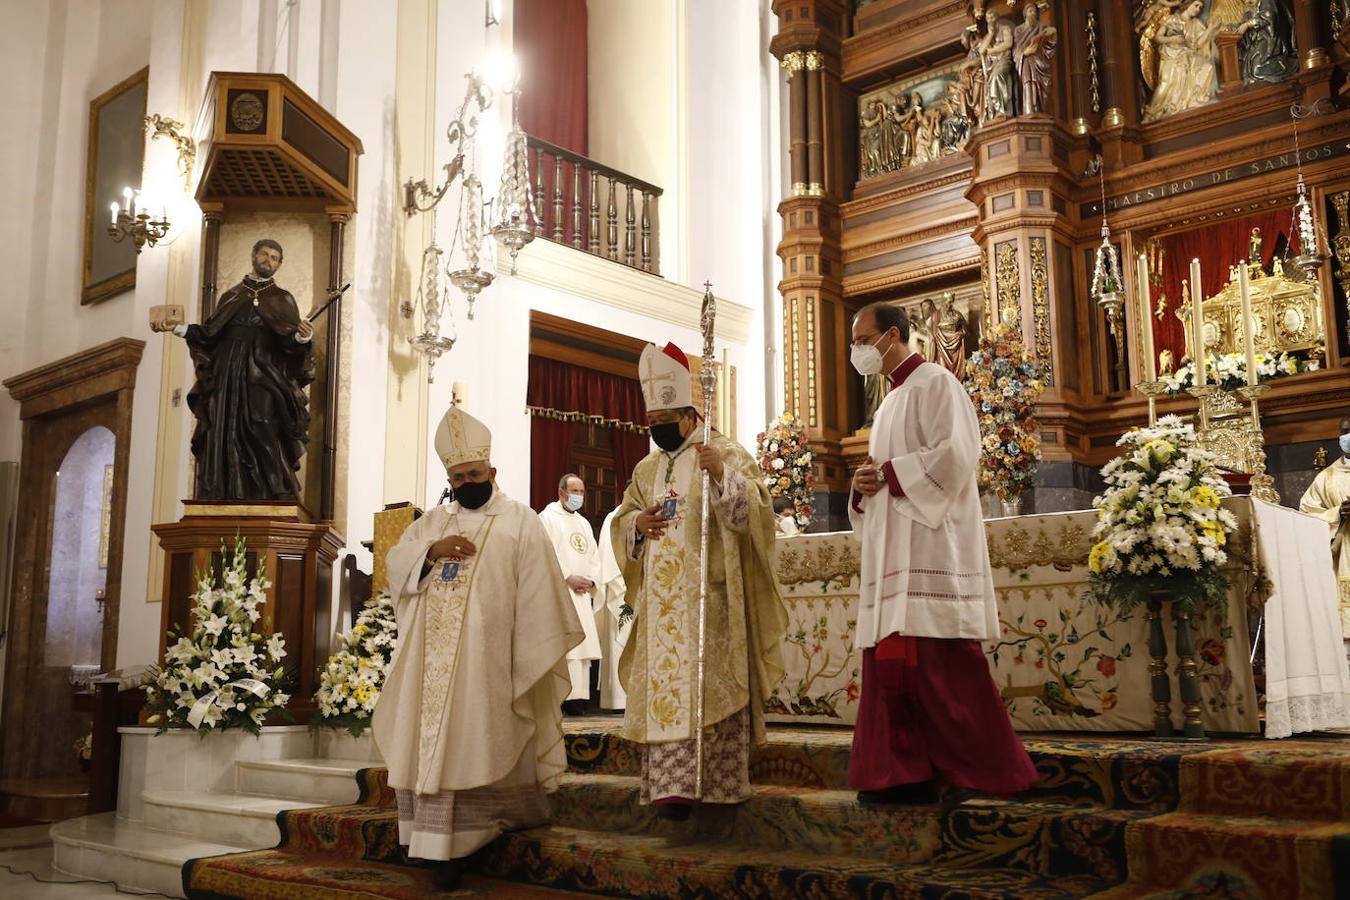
613 635
930 713
469 722
579 559
657 532
1328 498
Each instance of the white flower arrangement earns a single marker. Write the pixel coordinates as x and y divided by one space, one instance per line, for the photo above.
350 684
1229 370
225 674
1160 527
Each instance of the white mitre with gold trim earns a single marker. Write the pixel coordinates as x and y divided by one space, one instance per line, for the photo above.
664 375
461 438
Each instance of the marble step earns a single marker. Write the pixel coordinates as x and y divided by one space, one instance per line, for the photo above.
330 782
135 857
242 819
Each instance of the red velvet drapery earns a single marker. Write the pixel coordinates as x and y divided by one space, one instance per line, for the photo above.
550 45
570 389
1218 247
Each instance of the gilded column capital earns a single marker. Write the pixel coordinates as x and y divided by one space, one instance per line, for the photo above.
814 60
793 62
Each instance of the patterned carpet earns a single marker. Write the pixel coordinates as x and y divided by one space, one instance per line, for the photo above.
1108 819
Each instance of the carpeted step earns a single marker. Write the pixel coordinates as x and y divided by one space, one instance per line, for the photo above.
654 866
1232 856
1307 779
1124 774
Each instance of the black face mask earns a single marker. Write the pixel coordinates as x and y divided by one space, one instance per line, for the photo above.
473 494
667 436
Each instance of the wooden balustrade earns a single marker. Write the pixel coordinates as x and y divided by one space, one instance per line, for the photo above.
576 214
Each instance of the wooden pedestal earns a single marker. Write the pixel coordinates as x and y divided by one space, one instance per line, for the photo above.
297 558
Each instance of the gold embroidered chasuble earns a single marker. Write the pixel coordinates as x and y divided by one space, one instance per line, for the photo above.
746 618
1323 499
480 671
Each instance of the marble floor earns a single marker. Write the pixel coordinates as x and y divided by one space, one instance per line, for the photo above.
29 850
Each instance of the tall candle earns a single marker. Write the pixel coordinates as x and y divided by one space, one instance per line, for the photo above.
1146 304
113 208
1248 338
129 205
1197 325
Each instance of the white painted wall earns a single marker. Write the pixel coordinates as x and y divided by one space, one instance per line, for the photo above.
699 118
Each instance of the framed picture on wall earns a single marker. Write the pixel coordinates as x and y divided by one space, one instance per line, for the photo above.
114 158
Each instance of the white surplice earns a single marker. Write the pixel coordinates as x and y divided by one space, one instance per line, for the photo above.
925 561
1323 499
577 554
469 721
610 590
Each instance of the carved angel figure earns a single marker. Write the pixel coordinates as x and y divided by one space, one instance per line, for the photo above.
1188 73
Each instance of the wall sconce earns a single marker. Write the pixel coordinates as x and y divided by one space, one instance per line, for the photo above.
161 126
134 220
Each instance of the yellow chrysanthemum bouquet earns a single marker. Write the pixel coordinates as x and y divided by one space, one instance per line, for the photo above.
1160 524
350 684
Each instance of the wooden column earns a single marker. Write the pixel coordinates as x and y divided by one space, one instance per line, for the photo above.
795 64
815 126
211 216
1312 19
1080 65
337 232
1121 143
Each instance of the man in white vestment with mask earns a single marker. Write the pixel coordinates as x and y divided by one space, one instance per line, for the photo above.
579 559
469 721
609 609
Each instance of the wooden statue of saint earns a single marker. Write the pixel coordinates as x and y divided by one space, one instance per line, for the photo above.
253 358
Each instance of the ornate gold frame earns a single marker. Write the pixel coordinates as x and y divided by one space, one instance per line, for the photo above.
95 292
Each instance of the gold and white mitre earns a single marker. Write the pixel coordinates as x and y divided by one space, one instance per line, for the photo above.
665 379
461 438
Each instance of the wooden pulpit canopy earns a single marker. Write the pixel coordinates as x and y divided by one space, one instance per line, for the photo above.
266 143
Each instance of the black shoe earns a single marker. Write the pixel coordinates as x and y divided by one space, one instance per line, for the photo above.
449 875
915 794
574 707
674 812
954 796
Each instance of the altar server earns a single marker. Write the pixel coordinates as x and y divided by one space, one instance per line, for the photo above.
1328 498
609 602
469 722
657 534
930 713
579 559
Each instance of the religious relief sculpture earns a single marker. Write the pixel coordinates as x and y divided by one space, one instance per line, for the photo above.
910 125
1178 56
253 358
1033 50
1267 47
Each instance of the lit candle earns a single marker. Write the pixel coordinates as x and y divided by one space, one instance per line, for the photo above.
1146 304
114 208
1197 325
130 204
1248 323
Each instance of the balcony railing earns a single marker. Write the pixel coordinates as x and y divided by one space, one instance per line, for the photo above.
578 201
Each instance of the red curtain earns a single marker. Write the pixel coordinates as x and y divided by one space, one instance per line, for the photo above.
568 389
550 44
1217 247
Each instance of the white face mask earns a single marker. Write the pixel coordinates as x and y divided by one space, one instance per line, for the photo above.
1345 443
574 501
867 358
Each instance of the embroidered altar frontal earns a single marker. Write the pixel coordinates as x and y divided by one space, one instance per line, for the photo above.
1063 662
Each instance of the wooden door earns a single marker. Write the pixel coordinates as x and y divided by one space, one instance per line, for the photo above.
593 461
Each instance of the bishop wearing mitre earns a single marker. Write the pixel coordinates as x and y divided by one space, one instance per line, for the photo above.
469 722
657 534
1328 498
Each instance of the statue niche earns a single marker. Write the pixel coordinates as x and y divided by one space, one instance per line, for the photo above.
253 357
1178 56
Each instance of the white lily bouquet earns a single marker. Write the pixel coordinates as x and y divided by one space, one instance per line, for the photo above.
1160 528
350 683
225 674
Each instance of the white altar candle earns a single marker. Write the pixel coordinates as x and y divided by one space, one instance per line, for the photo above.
1248 339
113 208
1146 326
1197 325
129 205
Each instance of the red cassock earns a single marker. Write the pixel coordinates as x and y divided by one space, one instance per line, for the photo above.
930 710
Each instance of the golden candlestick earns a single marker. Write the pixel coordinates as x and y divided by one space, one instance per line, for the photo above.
1205 396
1263 485
1152 389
